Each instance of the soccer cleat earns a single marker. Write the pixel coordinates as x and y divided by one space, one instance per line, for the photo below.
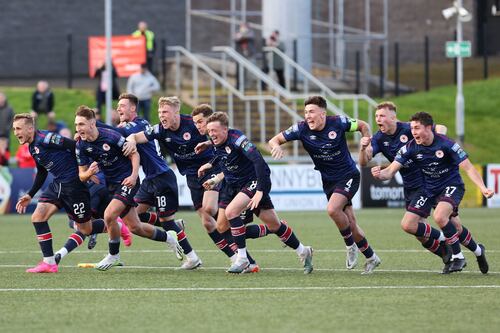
125 234
43 267
180 223
306 259
446 268
371 264
456 265
481 260
57 258
239 266
191 264
351 260
173 244
92 241
446 252
252 268
108 262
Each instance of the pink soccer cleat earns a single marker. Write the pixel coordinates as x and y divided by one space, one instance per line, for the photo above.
125 234
43 267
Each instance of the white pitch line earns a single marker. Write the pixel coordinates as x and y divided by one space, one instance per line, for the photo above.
217 251
215 268
301 288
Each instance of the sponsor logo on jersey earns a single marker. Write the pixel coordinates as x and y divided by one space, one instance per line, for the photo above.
386 143
312 137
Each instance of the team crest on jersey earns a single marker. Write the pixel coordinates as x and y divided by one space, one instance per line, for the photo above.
228 150
106 147
439 154
403 138
186 136
37 151
332 135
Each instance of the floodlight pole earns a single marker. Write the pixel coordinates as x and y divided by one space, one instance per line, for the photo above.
109 67
459 102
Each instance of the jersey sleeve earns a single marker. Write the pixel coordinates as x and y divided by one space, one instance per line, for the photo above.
348 124
81 158
375 145
152 132
116 138
261 169
404 154
293 132
54 140
458 155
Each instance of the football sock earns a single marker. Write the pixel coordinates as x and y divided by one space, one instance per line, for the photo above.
347 234
221 243
238 232
426 231
149 217
256 231
466 240
44 237
114 246
365 248
450 232
181 235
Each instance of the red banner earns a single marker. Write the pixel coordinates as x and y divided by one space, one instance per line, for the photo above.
127 53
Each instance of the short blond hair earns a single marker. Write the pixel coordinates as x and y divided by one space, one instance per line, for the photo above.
387 105
170 101
28 118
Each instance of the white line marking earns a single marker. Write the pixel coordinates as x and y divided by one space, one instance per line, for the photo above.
215 268
252 288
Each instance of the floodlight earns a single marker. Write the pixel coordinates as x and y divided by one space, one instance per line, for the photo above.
449 12
463 14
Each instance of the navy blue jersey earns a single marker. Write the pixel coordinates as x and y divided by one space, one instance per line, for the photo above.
107 151
328 147
152 164
438 162
242 162
50 152
180 145
389 146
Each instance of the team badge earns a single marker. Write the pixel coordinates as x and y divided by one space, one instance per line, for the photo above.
37 151
186 136
332 135
403 138
228 150
439 154
106 147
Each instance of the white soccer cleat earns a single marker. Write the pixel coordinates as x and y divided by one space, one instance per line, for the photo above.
108 262
191 264
306 259
371 264
239 266
351 260
173 245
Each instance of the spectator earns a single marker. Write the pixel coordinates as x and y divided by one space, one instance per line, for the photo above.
102 86
56 125
6 115
245 41
4 152
142 85
24 158
43 101
277 61
142 30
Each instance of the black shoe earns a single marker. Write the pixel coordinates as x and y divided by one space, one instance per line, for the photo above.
457 265
57 258
481 260
92 241
446 252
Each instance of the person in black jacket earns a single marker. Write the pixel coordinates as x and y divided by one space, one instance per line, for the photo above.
43 101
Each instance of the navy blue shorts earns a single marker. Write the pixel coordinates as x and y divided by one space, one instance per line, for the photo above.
453 194
160 192
417 202
347 186
73 196
229 192
124 194
99 199
197 190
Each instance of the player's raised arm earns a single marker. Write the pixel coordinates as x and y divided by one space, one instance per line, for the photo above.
132 179
387 173
275 145
365 151
362 127
476 178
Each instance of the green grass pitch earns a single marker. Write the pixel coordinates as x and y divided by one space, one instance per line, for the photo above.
406 293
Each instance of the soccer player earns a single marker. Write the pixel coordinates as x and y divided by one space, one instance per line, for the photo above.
159 188
324 139
55 154
101 149
248 184
179 136
440 158
391 136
